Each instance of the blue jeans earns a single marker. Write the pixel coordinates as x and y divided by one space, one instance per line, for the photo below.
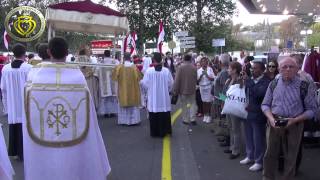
255 140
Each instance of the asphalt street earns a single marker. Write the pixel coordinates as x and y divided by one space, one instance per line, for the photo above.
195 154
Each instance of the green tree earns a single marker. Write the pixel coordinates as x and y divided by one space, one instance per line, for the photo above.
314 39
205 19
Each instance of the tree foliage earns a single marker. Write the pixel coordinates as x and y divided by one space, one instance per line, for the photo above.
194 16
290 30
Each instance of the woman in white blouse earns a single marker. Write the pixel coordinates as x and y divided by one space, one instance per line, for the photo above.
205 79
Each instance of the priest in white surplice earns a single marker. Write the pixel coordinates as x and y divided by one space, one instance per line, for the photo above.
62 139
14 77
158 81
108 88
6 170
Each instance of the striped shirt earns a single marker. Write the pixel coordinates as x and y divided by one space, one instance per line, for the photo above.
285 100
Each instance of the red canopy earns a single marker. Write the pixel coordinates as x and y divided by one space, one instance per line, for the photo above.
85 16
86 6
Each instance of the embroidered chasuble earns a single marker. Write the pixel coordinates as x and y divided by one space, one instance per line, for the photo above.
60 128
128 78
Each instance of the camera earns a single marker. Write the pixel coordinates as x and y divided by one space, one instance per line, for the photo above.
281 122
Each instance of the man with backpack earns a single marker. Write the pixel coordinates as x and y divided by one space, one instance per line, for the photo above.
286 109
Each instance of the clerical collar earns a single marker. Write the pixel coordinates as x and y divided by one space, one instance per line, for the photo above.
158 67
16 63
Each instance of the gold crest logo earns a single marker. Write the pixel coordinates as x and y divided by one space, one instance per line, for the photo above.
25 23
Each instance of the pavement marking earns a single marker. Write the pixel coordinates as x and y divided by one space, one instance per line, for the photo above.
166 151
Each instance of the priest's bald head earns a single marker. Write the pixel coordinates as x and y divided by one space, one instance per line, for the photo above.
58 49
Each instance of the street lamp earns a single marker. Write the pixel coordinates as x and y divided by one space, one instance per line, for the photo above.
306 33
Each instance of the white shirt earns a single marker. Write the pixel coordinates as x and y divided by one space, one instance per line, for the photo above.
6 170
109 60
13 81
158 85
146 64
204 80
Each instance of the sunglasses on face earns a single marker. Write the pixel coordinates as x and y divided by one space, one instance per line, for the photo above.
271 66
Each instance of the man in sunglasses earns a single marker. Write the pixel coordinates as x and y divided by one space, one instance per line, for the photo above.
285 111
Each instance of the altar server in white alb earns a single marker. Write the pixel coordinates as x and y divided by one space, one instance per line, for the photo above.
128 77
158 81
6 170
62 139
13 80
108 88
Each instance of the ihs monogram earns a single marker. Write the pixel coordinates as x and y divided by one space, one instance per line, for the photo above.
60 118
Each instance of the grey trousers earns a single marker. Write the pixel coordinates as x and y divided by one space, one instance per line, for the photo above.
235 134
188 113
289 140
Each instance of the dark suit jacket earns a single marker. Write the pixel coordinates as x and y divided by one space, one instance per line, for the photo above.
256 93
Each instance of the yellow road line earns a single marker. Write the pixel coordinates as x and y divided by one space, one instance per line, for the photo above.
166 151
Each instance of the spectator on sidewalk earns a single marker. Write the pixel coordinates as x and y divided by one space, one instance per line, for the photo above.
283 102
185 86
205 79
220 81
198 96
255 124
272 69
235 122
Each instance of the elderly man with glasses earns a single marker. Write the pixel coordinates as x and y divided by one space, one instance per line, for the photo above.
285 110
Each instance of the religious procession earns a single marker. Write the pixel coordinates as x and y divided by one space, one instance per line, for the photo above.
108 90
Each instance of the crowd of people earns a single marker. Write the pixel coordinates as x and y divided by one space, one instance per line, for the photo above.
51 104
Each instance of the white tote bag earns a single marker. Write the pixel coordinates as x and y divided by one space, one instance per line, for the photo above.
236 102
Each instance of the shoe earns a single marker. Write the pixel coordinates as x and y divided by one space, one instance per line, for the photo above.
221 139
234 156
208 119
227 151
205 119
246 161
185 122
256 167
194 123
224 144
199 115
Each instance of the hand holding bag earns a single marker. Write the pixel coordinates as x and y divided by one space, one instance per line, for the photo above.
236 102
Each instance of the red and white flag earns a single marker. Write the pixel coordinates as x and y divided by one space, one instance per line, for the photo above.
6 39
160 37
130 43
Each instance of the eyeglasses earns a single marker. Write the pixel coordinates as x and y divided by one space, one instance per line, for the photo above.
287 67
271 66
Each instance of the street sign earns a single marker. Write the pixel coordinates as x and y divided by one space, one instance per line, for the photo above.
218 42
289 44
151 45
172 44
187 38
188 46
182 43
181 33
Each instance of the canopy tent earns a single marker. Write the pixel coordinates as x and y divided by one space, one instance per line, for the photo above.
279 7
85 16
